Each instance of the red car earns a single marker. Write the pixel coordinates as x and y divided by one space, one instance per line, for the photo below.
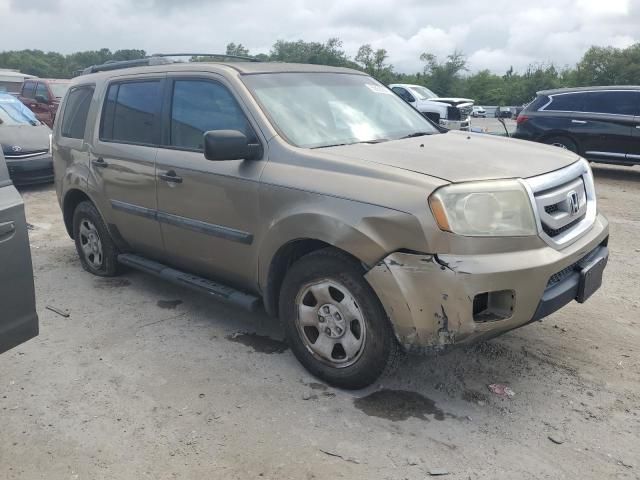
42 96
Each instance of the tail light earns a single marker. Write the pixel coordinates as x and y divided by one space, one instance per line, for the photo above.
521 119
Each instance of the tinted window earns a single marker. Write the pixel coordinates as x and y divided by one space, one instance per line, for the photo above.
403 94
132 113
538 103
199 106
617 103
29 89
567 102
41 91
75 112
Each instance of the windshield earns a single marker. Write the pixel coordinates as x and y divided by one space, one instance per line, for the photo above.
423 93
13 112
59 89
314 110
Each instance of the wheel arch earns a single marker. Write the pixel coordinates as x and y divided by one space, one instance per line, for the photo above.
71 200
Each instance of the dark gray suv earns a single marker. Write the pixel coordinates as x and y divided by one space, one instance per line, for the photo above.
18 318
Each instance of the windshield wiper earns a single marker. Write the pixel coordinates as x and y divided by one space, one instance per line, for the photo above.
375 140
415 134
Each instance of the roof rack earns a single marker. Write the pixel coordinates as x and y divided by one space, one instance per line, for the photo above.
155 59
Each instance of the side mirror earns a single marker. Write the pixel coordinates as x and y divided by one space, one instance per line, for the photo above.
229 145
41 99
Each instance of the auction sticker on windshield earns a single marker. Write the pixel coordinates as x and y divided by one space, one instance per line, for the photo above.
378 88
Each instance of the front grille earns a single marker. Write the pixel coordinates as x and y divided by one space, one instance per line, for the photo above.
554 232
24 154
453 113
567 271
551 208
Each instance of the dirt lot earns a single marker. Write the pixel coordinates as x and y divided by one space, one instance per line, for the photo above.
148 380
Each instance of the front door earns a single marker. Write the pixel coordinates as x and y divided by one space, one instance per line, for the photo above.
123 162
208 210
604 127
18 318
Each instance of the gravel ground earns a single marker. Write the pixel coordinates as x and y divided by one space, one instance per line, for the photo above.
148 380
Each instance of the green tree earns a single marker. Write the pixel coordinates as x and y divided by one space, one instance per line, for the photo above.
374 63
239 50
444 78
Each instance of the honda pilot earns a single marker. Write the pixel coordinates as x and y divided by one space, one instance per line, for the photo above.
321 195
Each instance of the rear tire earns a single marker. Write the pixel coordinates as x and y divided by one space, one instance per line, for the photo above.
98 254
334 321
562 142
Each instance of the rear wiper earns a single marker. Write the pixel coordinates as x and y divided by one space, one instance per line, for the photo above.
415 134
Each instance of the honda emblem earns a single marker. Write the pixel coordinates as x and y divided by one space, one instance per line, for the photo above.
573 203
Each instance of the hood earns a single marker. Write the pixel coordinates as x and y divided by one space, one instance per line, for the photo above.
461 157
453 101
27 137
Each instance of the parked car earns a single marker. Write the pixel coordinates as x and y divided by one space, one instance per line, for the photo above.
11 81
42 96
600 123
317 192
478 111
18 317
26 143
451 113
503 112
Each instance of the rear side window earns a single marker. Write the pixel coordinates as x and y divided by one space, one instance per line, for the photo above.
131 113
199 106
538 103
29 89
567 102
613 102
75 112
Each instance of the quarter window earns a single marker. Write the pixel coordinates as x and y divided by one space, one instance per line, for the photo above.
199 106
131 113
75 112
566 102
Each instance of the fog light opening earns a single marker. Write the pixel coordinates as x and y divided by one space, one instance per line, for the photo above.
493 306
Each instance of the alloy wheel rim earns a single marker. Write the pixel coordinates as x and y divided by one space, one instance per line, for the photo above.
91 244
330 323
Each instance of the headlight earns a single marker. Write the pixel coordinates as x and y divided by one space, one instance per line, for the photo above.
484 209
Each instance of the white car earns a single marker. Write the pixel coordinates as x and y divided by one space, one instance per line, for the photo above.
478 111
451 113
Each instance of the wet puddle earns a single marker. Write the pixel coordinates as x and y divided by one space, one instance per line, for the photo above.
111 282
168 304
396 405
259 343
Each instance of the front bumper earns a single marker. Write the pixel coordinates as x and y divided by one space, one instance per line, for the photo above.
463 125
430 299
30 171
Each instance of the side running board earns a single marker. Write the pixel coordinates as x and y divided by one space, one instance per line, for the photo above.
216 290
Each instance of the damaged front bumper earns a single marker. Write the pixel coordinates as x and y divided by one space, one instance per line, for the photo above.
438 301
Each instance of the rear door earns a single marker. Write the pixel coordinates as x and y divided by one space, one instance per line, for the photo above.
634 154
123 161
18 318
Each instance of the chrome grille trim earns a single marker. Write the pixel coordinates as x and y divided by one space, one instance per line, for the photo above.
16 156
550 190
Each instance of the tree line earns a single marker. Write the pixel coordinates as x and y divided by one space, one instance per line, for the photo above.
447 76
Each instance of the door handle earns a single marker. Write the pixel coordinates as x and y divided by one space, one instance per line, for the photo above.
7 229
638 126
579 122
171 176
99 162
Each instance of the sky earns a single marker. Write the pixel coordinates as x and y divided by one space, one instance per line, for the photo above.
493 34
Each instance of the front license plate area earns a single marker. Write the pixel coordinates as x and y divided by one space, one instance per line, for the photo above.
590 278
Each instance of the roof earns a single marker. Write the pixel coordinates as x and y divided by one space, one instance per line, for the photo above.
13 73
587 89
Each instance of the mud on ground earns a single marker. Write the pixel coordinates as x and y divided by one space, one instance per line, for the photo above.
147 380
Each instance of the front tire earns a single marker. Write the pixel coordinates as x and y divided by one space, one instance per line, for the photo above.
334 322
98 254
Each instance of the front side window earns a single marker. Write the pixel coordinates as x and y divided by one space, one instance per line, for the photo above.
131 113
29 89
76 111
406 96
613 102
423 93
313 110
41 91
199 106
